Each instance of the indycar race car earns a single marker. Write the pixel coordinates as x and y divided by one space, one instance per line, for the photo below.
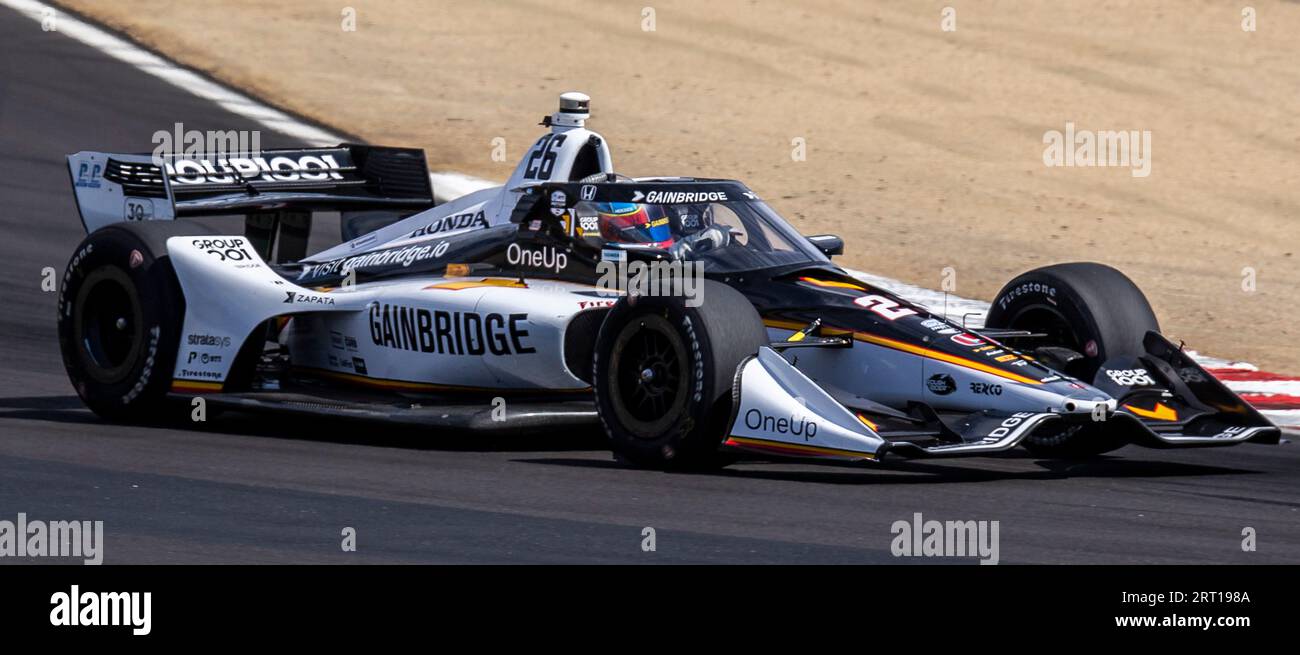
526 307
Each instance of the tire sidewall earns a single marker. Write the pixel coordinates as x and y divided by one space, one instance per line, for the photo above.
1102 307
681 439
159 306
1044 291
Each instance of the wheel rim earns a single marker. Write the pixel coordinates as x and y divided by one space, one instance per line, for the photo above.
648 384
108 325
1060 331
1048 320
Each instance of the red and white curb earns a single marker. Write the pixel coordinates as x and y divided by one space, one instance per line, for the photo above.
1277 396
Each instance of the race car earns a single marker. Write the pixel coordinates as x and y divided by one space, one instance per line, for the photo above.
683 315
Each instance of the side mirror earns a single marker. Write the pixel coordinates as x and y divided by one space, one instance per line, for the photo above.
829 244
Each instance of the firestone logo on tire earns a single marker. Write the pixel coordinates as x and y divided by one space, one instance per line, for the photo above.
1027 287
697 359
148 368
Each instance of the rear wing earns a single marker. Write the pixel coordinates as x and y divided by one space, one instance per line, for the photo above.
112 188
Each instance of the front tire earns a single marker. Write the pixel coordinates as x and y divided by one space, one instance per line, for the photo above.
1089 308
119 319
663 375
1086 307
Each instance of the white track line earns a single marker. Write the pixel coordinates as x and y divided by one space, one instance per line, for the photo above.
228 99
1275 387
448 186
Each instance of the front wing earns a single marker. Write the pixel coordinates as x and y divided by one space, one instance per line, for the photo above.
777 410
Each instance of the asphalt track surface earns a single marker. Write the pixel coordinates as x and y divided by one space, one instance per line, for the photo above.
242 489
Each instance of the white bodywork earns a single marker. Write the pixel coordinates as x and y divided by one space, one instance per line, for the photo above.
550 159
101 201
230 290
491 336
778 404
450 333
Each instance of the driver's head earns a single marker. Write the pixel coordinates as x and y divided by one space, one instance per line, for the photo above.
625 222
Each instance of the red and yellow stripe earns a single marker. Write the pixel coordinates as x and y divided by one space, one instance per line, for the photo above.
792 449
832 284
193 386
489 282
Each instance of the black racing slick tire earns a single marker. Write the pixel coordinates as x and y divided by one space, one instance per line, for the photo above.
1086 307
663 375
120 315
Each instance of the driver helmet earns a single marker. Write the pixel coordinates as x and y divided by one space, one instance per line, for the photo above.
626 222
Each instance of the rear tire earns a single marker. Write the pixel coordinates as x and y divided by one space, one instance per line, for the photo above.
1086 307
663 375
119 319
